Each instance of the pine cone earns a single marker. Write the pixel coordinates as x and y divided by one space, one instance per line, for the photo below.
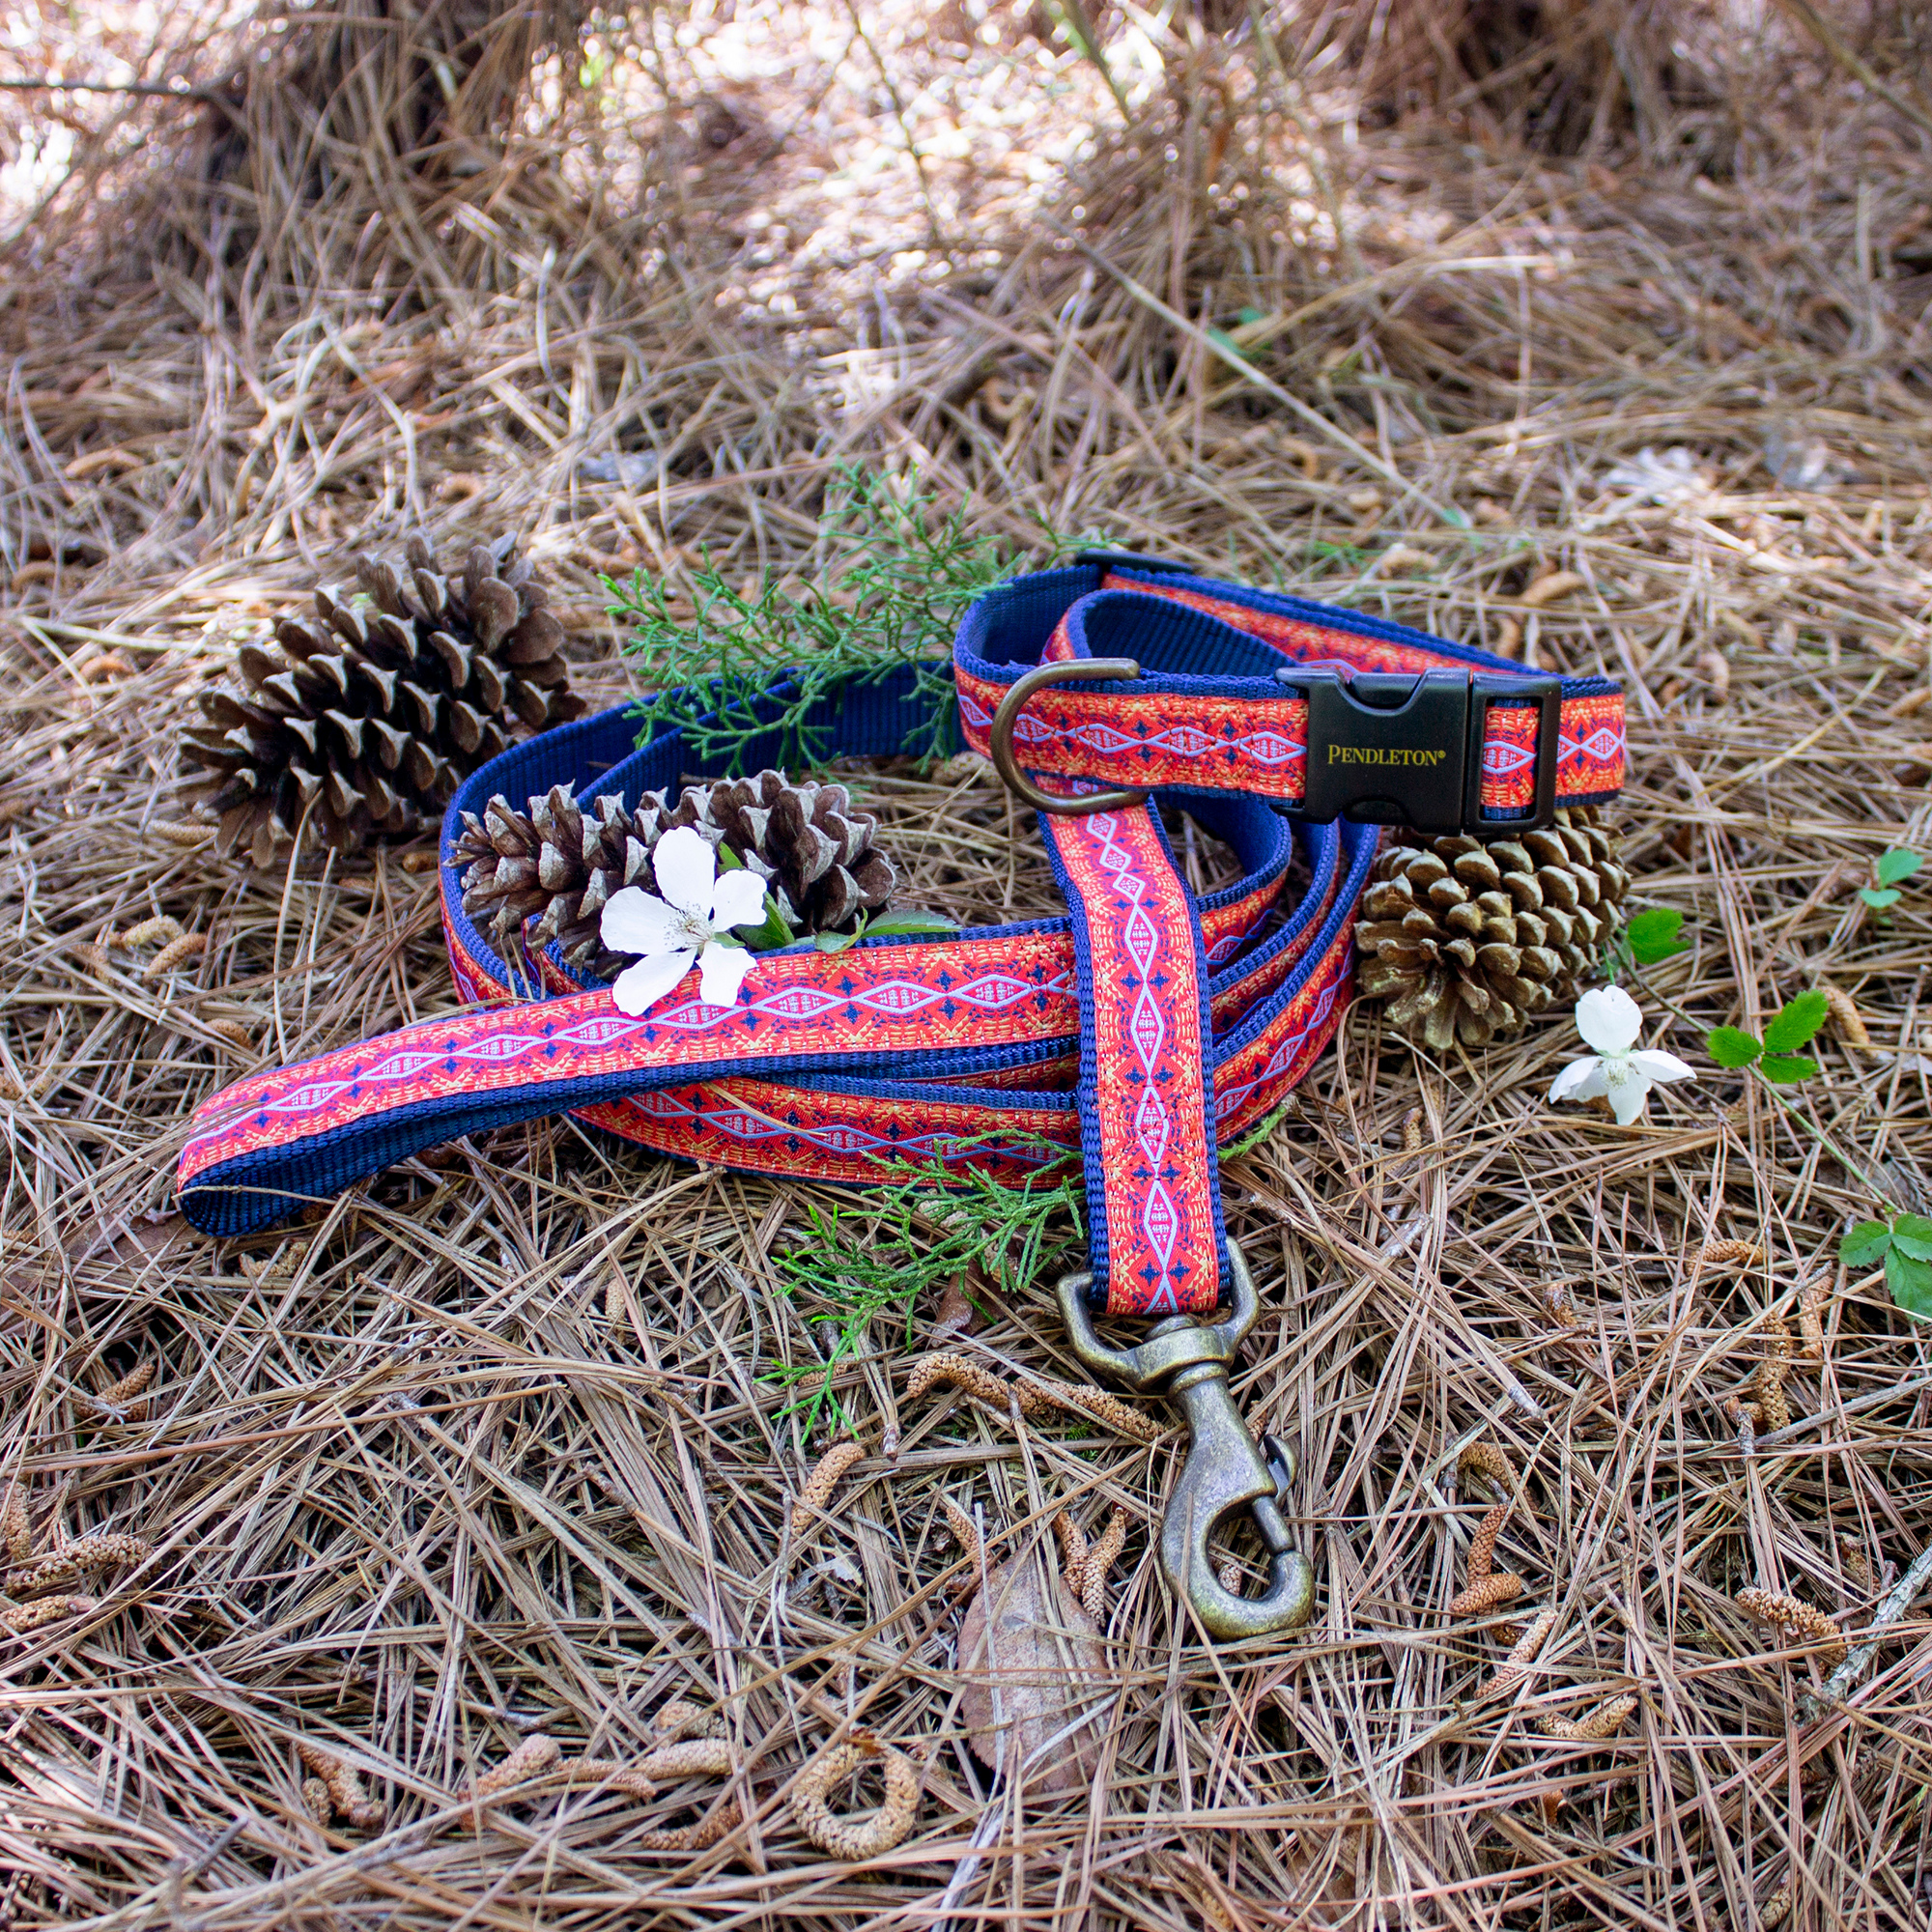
370 712
559 865
804 841
1466 938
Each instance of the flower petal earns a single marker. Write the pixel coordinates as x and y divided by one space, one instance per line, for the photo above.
634 921
1609 1020
639 988
1661 1065
1581 1080
1628 1095
739 900
685 865
723 969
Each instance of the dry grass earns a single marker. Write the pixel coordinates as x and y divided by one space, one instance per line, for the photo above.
420 1484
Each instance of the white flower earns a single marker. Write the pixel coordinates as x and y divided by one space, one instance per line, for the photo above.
673 933
1610 1021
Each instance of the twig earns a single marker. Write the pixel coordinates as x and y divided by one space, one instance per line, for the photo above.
158 90
1897 1601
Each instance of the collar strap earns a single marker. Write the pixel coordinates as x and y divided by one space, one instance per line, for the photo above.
1327 713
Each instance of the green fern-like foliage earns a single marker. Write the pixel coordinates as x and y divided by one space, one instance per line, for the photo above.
893 576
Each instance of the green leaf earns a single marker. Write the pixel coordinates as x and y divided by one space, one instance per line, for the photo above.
1911 1284
1729 1047
911 921
1796 1022
834 942
1864 1243
1913 1233
1221 339
1896 863
1877 900
775 930
1653 935
1787 1070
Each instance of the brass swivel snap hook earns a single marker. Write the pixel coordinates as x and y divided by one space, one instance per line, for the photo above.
1188 1363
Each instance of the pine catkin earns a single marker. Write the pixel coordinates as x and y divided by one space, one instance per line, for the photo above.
819 1485
347 1797
840 1836
1486 1458
1037 1396
1768 1384
101 1549
965 1532
1100 1559
117 1400
1847 1022
176 952
18 1619
1073 1552
531 1758
1730 1254
1489 1593
1515 1667
695 1837
161 926
1810 1626
1811 1319
16 1532
607 1773
315 1800
698 1757
680 1719
1603 1722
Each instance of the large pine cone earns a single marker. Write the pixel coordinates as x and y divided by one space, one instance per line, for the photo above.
559 865
1466 938
372 711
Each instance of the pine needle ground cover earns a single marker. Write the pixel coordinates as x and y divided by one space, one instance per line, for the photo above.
1606 1454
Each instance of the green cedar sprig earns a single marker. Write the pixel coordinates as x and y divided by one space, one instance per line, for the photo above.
892 579
928 1226
1776 1056
1904 1245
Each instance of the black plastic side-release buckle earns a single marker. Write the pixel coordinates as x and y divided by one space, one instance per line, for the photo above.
1406 749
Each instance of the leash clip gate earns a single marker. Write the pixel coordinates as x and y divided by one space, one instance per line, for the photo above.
1188 1363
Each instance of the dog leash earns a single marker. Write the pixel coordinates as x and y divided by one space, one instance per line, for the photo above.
1139 1030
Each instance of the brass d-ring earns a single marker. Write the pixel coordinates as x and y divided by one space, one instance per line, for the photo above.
1063 671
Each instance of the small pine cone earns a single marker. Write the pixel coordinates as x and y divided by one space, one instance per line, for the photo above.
1465 939
547 874
363 718
803 839
557 865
